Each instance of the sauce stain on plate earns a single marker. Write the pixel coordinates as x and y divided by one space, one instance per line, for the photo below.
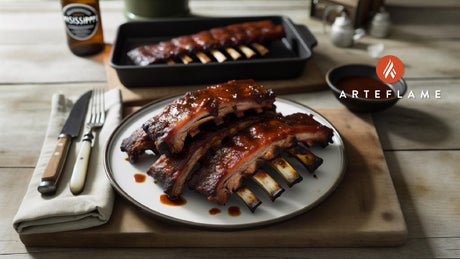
214 211
166 201
234 211
139 178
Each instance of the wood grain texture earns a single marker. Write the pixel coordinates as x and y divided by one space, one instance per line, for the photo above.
431 203
24 115
414 248
36 63
13 185
363 211
46 35
422 123
420 242
56 163
413 123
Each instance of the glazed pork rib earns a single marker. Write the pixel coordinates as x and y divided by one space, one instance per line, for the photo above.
136 144
139 141
221 174
220 38
172 172
183 117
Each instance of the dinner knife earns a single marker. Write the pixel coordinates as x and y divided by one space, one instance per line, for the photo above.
70 130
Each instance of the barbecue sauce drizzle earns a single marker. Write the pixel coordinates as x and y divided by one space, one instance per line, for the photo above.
139 178
234 211
214 211
166 201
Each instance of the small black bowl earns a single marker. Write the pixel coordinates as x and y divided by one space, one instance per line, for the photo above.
362 104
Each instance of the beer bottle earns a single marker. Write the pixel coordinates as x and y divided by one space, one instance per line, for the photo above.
82 19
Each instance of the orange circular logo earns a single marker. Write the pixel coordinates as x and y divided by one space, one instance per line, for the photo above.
389 69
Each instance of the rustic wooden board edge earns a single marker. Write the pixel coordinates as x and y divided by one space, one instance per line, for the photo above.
100 240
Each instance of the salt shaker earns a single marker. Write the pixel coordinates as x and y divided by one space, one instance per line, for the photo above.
380 25
342 32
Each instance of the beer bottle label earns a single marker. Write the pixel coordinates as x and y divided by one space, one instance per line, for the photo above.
81 21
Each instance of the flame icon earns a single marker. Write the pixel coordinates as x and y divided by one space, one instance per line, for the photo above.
389 70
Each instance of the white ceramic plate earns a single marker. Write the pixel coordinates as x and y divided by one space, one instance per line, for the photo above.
298 199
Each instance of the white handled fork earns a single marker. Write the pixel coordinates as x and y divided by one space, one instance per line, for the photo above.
96 120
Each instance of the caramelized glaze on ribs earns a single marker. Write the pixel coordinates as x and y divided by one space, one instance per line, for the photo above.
221 174
217 38
136 144
172 172
169 129
237 122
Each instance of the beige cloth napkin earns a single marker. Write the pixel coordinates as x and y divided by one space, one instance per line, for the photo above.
64 211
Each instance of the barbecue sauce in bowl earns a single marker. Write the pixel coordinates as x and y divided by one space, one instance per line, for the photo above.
358 88
366 87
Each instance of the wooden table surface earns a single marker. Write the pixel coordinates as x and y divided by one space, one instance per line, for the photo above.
420 137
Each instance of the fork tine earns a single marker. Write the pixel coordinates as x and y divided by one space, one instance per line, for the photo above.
93 97
98 104
102 107
97 117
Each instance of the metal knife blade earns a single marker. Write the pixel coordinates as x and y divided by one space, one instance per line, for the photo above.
75 121
70 130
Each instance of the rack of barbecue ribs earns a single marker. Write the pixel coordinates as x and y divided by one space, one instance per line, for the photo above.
221 174
211 139
231 39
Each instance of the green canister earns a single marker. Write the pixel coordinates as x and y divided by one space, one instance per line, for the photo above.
141 10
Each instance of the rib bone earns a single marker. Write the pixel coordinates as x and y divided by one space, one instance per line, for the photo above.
218 55
308 159
186 59
249 198
203 57
233 53
260 48
249 53
270 186
289 174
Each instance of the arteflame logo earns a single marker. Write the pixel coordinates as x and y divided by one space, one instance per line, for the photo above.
390 69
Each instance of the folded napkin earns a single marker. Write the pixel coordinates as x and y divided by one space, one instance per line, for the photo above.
64 211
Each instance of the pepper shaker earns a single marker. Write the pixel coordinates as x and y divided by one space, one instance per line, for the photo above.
381 24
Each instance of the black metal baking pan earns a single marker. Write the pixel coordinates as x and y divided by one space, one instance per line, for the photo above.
287 57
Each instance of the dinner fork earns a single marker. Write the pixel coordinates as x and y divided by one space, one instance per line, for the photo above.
95 121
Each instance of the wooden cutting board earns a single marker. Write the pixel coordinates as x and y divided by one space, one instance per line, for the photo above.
363 211
312 79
